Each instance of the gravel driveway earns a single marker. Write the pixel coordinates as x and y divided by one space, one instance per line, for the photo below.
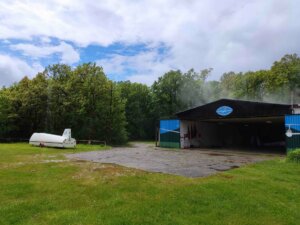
189 163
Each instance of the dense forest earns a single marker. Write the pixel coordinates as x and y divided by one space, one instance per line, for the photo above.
95 107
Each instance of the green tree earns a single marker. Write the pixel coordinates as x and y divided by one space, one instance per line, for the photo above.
228 84
57 107
250 85
175 91
139 114
7 117
192 88
284 78
285 72
166 93
99 108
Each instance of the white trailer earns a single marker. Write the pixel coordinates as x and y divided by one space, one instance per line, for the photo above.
51 140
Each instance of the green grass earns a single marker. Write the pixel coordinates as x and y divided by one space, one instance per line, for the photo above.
35 192
20 152
294 156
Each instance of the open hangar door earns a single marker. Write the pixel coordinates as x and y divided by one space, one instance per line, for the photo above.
267 134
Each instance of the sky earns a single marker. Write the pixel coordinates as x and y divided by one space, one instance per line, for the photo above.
140 40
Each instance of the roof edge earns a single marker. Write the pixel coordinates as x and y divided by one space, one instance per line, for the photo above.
236 100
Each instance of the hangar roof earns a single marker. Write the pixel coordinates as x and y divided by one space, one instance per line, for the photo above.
230 108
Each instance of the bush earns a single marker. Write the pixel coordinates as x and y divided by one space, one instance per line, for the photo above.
294 156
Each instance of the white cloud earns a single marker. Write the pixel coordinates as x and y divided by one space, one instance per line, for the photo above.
13 69
147 66
226 35
68 53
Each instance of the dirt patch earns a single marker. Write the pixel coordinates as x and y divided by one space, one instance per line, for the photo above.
226 176
80 160
91 173
110 170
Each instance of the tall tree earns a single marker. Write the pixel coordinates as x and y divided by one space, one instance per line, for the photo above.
58 97
7 115
284 79
139 113
166 93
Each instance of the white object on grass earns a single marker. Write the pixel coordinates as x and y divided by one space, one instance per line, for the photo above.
51 140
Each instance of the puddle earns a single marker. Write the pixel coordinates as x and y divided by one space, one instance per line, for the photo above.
218 154
54 160
225 169
234 167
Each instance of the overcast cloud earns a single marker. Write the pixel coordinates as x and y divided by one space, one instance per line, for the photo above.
227 35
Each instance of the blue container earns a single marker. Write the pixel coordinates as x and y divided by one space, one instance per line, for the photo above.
292 128
169 131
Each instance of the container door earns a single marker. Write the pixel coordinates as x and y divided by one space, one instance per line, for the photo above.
169 133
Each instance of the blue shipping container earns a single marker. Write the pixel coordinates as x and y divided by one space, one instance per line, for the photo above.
169 133
292 128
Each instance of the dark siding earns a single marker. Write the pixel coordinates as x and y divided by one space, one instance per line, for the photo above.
241 109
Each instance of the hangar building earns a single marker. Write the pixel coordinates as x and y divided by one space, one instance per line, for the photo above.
229 123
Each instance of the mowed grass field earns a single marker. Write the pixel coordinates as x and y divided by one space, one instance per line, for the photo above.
38 186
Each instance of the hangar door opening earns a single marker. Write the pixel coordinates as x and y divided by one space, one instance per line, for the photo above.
264 134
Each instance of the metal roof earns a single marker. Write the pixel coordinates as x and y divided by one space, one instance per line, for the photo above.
231 108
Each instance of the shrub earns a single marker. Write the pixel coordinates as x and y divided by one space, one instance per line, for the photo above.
294 156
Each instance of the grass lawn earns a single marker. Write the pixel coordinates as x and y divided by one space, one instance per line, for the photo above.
36 189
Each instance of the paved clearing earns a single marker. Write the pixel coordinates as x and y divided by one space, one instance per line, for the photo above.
189 163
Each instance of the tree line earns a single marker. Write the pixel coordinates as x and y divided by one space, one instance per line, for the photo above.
95 107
